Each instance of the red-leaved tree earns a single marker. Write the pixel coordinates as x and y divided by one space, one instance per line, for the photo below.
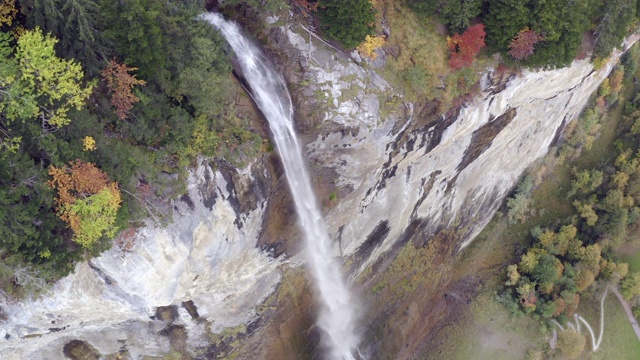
120 83
521 47
465 47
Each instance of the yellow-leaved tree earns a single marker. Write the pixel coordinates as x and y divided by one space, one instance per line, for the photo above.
370 45
36 84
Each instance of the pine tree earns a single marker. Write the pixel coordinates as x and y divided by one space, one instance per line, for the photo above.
617 15
458 13
348 21
504 20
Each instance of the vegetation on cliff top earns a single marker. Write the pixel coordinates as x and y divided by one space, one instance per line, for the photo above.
559 24
129 91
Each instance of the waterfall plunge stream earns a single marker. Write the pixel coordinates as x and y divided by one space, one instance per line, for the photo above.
271 95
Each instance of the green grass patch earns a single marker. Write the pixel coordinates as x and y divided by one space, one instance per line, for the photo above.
619 341
419 65
633 261
489 332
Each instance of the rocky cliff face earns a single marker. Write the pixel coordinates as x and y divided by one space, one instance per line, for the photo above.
200 275
389 172
398 163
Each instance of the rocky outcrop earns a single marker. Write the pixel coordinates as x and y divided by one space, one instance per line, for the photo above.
132 299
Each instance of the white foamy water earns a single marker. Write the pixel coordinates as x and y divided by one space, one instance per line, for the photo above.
271 95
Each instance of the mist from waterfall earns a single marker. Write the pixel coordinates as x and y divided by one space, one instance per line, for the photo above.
270 93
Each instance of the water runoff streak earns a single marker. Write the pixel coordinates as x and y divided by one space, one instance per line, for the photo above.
271 95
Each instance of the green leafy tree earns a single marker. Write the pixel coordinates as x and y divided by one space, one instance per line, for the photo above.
96 216
630 286
513 275
518 208
547 270
587 212
348 21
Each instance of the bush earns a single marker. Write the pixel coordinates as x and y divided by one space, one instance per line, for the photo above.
571 343
348 21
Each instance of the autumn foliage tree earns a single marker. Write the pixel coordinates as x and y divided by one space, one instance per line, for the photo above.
36 84
86 200
120 84
522 45
465 47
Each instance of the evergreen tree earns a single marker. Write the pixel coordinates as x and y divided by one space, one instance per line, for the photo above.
348 21
617 16
137 34
503 22
76 23
457 14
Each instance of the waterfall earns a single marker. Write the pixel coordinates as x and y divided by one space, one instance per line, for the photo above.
270 93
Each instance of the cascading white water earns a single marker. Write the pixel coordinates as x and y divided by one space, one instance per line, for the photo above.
270 93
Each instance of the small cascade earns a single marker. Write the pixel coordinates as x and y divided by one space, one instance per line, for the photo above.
270 93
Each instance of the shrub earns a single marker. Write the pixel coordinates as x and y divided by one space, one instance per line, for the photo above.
571 343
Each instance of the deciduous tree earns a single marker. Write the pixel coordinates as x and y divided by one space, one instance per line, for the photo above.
630 286
86 201
120 84
465 47
571 343
8 11
38 84
522 45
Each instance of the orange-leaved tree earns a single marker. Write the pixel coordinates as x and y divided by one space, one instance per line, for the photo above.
86 200
465 47
521 47
120 84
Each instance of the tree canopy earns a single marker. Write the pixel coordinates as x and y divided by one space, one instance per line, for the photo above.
538 33
465 47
